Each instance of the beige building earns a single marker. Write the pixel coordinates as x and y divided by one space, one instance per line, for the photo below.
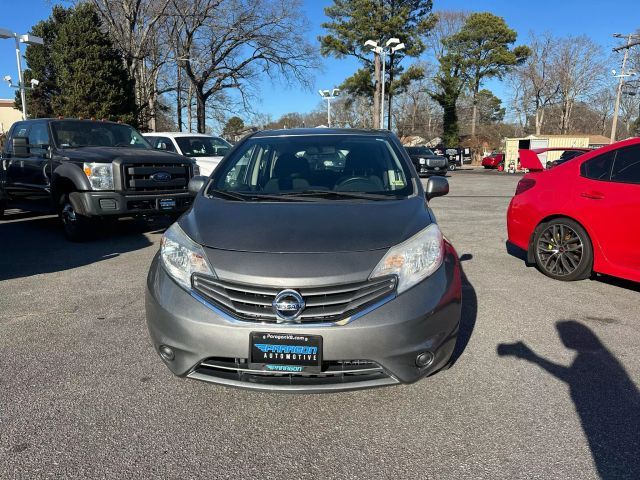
8 115
512 145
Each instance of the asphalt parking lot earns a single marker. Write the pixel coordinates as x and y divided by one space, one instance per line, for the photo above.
82 393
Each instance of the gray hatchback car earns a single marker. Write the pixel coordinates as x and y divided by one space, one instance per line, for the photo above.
291 274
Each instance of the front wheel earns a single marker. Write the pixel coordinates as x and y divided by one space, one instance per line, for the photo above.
563 250
76 227
452 167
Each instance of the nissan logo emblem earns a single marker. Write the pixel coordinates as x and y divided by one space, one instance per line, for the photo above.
161 177
288 305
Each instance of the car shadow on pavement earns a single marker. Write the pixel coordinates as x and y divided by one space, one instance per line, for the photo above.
606 399
34 245
469 313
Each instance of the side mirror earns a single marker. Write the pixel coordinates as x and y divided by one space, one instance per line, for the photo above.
196 184
20 146
161 146
436 187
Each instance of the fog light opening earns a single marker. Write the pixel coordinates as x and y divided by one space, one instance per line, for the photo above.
166 353
424 359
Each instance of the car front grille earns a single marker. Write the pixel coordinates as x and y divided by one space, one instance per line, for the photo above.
138 177
436 162
322 304
335 375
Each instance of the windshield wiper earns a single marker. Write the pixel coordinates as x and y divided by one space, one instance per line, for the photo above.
339 194
228 195
250 196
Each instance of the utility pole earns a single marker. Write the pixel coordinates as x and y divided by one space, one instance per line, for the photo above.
623 74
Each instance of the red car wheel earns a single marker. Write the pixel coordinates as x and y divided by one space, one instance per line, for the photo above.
563 250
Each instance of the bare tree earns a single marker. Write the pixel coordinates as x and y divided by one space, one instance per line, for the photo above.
579 67
537 80
229 45
134 27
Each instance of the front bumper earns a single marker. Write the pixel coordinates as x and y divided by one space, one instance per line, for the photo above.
427 170
210 345
106 203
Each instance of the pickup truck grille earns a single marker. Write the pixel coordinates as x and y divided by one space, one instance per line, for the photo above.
323 304
152 177
436 162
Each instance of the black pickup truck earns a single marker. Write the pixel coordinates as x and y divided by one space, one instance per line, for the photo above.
427 162
85 170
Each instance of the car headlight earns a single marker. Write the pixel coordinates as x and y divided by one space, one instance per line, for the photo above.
182 257
422 161
414 259
100 175
196 169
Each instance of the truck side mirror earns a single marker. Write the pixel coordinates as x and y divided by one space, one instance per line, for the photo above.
196 184
436 187
20 146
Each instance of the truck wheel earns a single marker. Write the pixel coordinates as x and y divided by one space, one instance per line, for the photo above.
76 227
452 167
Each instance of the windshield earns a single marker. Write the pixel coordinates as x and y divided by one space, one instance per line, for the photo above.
203 146
85 133
419 151
327 166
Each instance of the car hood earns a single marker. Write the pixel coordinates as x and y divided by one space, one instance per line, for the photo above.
109 154
305 227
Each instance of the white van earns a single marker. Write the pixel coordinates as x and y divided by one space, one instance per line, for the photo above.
206 150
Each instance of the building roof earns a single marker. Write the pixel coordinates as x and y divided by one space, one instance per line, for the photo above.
599 140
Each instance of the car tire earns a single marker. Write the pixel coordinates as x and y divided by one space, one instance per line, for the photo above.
452 167
562 250
76 227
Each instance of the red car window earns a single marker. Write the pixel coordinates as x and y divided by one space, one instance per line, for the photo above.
599 168
626 168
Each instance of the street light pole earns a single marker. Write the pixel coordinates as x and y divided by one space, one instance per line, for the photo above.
23 92
329 95
627 47
29 40
382 51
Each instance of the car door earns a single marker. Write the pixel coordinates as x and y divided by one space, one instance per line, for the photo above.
609 200
16 185
37 166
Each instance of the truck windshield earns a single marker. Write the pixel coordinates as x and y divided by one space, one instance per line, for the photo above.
85 133
419 151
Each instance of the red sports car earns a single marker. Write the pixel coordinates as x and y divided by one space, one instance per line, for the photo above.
493 160
582 216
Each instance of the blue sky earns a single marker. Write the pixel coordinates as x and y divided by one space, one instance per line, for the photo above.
597 19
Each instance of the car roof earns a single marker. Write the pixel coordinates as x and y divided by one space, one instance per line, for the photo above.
178 134
293 132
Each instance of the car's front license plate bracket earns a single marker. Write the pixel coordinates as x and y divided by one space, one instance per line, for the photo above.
285 352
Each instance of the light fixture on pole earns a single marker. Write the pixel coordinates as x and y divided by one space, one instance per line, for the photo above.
630 43
392 45
329 95
29 40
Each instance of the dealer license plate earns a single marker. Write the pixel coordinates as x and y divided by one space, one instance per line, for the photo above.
167 203
285 352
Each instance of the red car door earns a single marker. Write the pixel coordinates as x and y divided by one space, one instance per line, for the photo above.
608 199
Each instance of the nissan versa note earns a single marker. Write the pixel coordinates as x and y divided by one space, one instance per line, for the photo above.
288 274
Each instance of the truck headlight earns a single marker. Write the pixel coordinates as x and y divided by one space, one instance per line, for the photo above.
182 257
422 161
414 259
100 175
196 169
